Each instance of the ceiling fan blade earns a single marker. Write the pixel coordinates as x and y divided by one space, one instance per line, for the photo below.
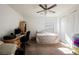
42 6
45 6
51 11
52 6
40 11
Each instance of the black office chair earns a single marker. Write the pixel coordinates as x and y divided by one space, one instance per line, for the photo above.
27 36
24 40
17 31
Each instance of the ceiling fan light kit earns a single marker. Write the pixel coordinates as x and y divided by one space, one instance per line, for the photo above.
46 8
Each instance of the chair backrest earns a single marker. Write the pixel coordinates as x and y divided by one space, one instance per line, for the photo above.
28 35
17 31
25 38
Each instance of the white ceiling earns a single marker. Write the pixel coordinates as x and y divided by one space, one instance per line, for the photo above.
31 9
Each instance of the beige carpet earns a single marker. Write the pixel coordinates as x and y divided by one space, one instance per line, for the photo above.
47 49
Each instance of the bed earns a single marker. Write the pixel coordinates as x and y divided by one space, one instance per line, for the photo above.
7 48
47 38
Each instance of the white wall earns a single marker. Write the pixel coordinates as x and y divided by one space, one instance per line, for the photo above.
69 25
41 23
9 20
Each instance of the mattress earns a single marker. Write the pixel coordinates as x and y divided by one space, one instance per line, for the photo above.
47 38
8 49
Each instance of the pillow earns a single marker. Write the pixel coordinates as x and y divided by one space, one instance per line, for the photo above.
1 42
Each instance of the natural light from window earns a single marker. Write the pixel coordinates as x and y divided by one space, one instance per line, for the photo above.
65 50
69 40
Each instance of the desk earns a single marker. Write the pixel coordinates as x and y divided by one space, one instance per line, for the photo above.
14 41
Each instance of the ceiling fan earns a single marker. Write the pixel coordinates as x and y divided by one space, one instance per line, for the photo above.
46 8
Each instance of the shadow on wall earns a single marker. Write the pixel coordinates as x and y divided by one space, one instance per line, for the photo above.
8 32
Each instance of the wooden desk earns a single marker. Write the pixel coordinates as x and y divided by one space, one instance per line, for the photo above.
14 41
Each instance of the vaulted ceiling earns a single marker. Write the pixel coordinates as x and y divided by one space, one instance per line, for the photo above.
29 10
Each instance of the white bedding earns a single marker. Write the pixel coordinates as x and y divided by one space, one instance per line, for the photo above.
46 34
47 38
8 49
